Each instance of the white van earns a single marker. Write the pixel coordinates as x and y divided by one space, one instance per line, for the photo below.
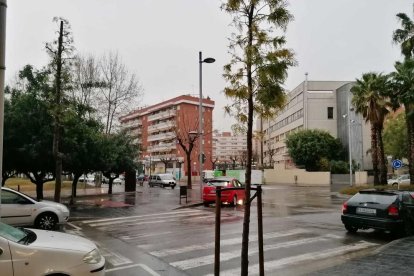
163 180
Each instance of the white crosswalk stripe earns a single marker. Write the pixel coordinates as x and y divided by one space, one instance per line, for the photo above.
169 240
204 260
233 241
313 256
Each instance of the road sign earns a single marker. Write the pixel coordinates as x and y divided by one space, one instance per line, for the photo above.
396 164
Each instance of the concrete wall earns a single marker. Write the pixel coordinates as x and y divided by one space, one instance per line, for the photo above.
279 175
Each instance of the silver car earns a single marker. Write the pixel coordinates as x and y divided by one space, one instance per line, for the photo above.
402 179
20 209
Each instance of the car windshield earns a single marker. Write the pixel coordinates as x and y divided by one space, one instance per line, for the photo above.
11 233
373 198
166 177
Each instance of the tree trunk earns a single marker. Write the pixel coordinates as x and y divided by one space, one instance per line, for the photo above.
110 182
374 153
189 185
57 128
381 159
246 220
39 189
410 135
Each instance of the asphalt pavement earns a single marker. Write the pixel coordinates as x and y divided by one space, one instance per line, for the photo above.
394 258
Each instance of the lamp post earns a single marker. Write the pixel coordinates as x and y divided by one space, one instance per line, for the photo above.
200 116
146 157
348 121
3 8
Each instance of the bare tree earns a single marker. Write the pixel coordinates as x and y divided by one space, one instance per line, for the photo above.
270 152
187 136
213 161
167 160
243 158
86 81
119 91
60 52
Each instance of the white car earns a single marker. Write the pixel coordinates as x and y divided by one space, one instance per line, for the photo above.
402 179
25 252
20 209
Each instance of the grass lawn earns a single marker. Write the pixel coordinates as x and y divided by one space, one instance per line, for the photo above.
26 185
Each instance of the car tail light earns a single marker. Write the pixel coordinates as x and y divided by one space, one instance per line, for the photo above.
393 211
344 208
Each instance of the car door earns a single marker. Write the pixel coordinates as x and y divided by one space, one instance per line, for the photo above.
6 265
159 181
16 209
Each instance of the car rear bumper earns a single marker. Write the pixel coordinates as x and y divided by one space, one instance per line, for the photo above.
375 223
212 198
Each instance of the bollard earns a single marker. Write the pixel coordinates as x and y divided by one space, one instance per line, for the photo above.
260 229
217 233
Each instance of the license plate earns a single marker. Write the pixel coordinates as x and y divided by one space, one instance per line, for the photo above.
366 211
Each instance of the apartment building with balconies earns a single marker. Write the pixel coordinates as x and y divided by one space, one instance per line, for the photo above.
155 129
324 105
229 150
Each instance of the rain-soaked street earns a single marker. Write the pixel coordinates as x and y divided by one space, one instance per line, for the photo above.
149 233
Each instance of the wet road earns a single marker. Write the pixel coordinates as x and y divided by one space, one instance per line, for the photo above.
145 234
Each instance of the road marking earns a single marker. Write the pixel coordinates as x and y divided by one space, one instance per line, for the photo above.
175 251
206 260
271 266
143 266
135 220
74 226
140 216
132 237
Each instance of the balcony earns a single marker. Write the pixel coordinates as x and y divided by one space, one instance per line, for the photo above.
162 115
132 124
136 132
161 136
161 126
162 147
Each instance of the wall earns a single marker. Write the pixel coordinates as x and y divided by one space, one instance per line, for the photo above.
300 177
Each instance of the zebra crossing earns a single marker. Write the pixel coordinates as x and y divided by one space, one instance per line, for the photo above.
185 240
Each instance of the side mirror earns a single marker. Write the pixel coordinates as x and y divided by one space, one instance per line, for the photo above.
1 251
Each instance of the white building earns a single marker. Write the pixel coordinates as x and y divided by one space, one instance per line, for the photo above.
318 105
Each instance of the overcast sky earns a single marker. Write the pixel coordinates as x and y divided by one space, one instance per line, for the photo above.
159 40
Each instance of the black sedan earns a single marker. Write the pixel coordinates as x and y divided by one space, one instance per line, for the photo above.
378 209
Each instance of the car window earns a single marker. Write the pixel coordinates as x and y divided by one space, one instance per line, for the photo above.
158 178
217 183
8 197
373 198
167 177
237 184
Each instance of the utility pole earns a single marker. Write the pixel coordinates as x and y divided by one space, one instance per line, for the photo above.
3 8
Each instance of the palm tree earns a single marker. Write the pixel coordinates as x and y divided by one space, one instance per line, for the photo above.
403 93
370 100
405 35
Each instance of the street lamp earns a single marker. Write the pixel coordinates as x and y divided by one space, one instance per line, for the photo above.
200 116
347 116
3 8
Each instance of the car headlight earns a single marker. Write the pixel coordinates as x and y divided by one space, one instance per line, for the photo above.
92 257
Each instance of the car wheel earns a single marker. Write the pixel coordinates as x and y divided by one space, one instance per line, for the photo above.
394 184
46 221
234 201
206 204
351 229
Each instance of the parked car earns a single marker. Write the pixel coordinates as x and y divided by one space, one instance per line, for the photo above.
232 197
163 180
38 252
379 209
402 179
20 209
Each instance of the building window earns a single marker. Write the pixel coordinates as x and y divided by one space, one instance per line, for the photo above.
330 112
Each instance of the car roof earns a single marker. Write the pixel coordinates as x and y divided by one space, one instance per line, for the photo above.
222 178
381 191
